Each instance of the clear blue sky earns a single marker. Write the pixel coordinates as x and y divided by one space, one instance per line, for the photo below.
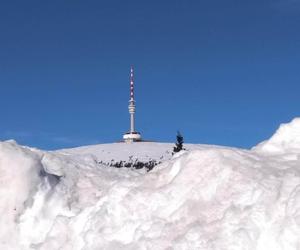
222 72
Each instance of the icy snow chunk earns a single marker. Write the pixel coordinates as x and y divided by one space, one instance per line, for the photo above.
52 164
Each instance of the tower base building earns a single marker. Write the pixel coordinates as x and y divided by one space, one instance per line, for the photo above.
132 137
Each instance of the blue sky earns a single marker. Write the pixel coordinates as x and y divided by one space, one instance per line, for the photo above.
221 72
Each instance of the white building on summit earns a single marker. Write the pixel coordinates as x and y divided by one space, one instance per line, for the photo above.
132 135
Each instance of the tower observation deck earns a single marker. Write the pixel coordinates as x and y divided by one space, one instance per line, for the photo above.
132 135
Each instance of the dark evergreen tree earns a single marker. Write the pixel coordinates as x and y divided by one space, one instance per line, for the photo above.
179 143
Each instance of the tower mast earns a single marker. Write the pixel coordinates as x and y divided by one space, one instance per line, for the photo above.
132 135
131 106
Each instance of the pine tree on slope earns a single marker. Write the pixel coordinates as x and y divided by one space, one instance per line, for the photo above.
179 143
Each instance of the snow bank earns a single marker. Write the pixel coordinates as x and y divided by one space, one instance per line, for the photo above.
209 198
286 139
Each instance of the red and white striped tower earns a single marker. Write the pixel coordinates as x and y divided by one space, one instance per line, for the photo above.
131 84
132 135
131 106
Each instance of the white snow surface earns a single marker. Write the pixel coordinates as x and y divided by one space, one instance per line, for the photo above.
286 139
207 198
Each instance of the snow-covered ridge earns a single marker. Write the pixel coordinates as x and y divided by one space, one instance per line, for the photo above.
142 151
207 198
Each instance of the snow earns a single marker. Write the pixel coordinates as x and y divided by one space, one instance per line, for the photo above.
207 198
286 139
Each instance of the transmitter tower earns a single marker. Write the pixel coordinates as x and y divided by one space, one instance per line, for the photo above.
132 135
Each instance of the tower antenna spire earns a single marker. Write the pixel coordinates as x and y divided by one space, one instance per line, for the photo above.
131 83
132 135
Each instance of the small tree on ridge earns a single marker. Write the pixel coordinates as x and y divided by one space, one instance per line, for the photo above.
179 143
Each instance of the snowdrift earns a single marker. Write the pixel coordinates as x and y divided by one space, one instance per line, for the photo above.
208 198
285 140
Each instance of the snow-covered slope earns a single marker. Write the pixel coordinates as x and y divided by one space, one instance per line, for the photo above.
142 151
208 198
